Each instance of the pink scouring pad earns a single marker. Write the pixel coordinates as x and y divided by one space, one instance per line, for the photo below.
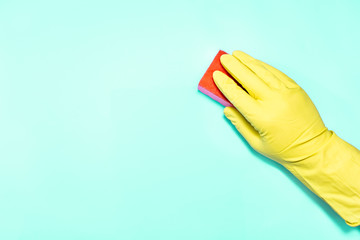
207 84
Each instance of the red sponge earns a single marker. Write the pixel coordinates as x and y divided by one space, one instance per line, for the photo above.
207 84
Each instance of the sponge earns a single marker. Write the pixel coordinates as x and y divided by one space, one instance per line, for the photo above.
207 84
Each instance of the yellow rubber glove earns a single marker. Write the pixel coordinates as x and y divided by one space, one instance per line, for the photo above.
279 120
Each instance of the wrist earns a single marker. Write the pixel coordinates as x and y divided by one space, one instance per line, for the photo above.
332 173
304 147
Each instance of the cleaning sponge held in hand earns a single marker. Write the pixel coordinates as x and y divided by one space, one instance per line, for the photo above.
207 84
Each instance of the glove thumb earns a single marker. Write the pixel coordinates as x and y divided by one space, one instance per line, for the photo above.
243 126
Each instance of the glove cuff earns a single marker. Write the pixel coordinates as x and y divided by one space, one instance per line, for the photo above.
333 173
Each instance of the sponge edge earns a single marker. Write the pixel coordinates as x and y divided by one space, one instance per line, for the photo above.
207 84
220 100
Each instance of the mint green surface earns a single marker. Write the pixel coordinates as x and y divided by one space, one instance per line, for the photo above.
104 135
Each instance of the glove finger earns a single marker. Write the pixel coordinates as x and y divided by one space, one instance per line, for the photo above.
246 104
252 83
268 77
243 126
280 75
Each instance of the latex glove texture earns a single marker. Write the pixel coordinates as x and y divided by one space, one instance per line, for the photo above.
279 120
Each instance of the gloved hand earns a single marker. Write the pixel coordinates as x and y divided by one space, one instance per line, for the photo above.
279 120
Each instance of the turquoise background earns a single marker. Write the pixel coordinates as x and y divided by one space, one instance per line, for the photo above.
105 136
